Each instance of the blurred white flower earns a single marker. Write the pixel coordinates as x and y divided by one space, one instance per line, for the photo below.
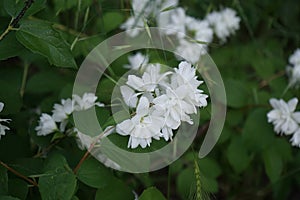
294 70
85 102
63 110
295 140
283 116
137 61
294 75
190 51
224 23
3 128
294 59
142 127
132 26
46 125
172 22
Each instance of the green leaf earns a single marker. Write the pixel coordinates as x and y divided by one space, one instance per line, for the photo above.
152 193
40 37
58 182
209 167
258 134
42 82
3 180
237 94
186 183
57 135
273 164
112 20
10 47
10 84
115 189
13 7
94 174
18 188
237 155
8 198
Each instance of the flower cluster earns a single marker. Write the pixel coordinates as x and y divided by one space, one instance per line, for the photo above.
61 112
193 34
3 128
224 23
285 119
160 102
293 69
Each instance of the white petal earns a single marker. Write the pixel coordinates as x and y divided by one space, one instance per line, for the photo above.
1 106
292 104
143 107
125 127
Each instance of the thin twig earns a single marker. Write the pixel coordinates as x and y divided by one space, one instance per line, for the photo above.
19 174
48 148
16 20
275 76
84 157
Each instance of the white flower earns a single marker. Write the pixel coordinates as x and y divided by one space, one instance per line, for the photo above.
2 127
294 75
129 96
85 102
132 26
46 125
168 4
224 23
283 117
137 61
294 59
190 51
63 110
173 22
142 127
294 70
295 140
200 29
186 75
149 81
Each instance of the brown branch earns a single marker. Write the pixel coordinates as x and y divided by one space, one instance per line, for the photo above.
19 174
84 157
266 82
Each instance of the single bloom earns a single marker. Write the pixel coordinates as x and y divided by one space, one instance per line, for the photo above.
224 23
85 102
137 61
294 75
142 127
172 22
46 125
63 110
283 116
294 59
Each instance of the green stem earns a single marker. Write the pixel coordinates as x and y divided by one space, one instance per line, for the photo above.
169 183
25 74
